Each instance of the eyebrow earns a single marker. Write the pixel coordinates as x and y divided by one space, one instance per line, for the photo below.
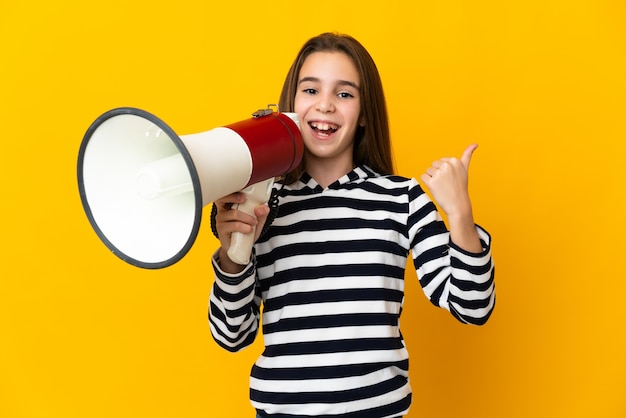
339 82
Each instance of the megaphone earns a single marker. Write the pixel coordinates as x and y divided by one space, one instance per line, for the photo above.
143 187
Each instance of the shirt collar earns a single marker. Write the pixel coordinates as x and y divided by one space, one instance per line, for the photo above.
358 174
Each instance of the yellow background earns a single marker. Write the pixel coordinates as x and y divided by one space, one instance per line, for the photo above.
539 84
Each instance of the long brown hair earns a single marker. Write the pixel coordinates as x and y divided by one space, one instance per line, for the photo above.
372 143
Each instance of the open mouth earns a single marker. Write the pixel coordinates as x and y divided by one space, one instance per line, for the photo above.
324 128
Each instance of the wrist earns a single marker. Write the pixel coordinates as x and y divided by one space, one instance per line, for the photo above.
463 232
226 264
462 216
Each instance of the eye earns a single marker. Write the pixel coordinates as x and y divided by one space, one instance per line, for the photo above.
345 95
311 91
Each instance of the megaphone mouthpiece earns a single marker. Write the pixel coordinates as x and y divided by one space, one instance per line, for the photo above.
163 178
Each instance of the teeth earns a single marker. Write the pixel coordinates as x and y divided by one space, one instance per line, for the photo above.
324 126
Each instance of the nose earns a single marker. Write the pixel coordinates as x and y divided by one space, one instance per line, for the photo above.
325 104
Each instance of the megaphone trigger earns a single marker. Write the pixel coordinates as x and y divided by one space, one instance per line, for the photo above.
241 244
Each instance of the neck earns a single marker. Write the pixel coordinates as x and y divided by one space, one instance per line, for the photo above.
326 171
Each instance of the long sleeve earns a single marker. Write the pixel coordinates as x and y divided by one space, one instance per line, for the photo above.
234 307
456 280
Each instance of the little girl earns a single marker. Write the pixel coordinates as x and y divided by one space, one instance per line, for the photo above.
329 269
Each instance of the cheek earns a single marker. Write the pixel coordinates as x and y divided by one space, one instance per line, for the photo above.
299 105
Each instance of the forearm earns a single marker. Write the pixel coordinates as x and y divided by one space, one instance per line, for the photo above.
463 232
472 293
454 278
234 307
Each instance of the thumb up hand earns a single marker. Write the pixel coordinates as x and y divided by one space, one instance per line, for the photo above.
447 180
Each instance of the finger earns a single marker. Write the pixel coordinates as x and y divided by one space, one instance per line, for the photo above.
439 163
229 218
432 171
261 212
228 201
225 227
467 155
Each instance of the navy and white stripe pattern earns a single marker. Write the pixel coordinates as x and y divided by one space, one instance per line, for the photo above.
330 276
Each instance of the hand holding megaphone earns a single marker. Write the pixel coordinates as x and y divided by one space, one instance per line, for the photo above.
240 243
239 220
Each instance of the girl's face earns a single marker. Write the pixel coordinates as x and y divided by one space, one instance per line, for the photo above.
328 104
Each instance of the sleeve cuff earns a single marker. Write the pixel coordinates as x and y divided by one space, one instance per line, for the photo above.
485 242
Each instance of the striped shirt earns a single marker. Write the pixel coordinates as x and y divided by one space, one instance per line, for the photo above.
329 274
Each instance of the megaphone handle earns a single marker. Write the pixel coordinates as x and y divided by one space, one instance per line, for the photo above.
241 244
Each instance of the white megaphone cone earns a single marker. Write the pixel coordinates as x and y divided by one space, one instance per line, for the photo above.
143 187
